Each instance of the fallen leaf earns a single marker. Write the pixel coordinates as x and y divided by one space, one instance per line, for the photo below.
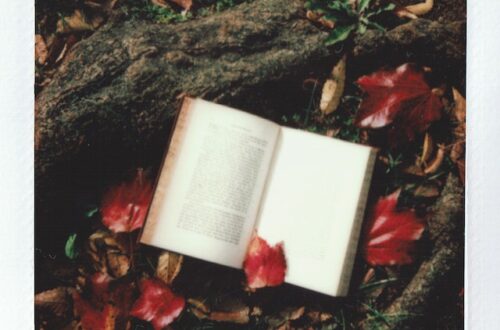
157 304
109 254
169 266
264 265
333 88
390 235
184 4
436 162
56 301
427 149
400 97
41 51
77 22
124 207
226 310
422 8
402 12
92 317
427 191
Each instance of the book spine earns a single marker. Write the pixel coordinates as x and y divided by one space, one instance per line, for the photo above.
345 277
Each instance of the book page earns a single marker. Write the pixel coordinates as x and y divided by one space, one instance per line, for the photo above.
314 203
210 186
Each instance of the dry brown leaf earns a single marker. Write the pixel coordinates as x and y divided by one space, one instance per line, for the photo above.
185 4
240 316
414 170
293 314
78 23
318 317
160 3
233 311
435 164
41 51
427 150
461 169
421 8
109 255
57 301
402 12
459 109
169 266
427 191
333 88
312 16
457 151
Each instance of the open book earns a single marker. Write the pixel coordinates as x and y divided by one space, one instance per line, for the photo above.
228 173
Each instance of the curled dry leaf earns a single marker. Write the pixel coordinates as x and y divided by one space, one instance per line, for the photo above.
78 23
402 12
314 17
436 163
264 265
108 254
157 304
390 235
169 266
56 301
422 8
333 88
400 97
124 207
41 51
427 149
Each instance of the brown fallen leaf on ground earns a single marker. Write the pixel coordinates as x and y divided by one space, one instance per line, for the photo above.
422 8
56 301
319 317
229 310
41 51
283 319
333 88
427 150
314 17
427 190
436 162
169 266
108 254
78 22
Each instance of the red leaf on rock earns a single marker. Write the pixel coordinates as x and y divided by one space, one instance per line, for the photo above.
124 207
390 235
400 97
264 265
157 304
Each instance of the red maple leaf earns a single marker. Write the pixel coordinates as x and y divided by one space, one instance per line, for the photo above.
124 207
157 304
390 235
264 265
401 97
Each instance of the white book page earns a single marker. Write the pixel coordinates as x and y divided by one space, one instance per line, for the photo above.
206 202
311 203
